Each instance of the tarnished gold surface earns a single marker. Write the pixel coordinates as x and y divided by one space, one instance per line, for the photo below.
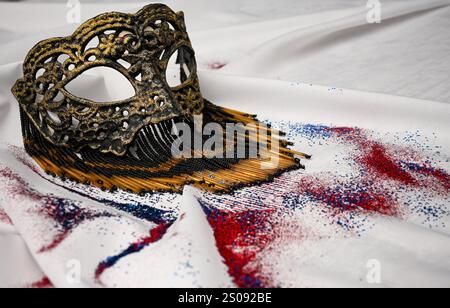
127 144
146 41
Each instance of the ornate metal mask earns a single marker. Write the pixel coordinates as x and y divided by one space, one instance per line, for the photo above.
124 144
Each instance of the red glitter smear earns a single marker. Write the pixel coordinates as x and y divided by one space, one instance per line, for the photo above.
56 242
4 217
240 237
216 66
21 187
342 131
374 190
380 162
369 192
45 283
66 213
22 157
441 175
375 158
349 198
429 172
156 234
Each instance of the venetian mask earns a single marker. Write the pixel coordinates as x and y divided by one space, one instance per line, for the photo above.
127 144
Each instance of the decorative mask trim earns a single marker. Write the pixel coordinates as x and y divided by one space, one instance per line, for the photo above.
127 144
146 41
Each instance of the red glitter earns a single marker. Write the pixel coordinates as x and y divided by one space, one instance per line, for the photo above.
430 172
5 218
66 213
349 199
41 284
216 65
341 131
440 175
56 241
156 234
21 156
240 238
380 162
20 187
376 159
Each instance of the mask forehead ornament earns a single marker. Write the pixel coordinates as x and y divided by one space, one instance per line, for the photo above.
126 144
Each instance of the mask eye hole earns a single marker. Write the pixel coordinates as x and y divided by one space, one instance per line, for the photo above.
102 85
180 68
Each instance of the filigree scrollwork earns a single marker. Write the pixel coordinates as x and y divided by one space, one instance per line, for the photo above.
127 144
139 46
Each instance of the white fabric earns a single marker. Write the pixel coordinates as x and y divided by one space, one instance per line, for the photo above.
310 62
